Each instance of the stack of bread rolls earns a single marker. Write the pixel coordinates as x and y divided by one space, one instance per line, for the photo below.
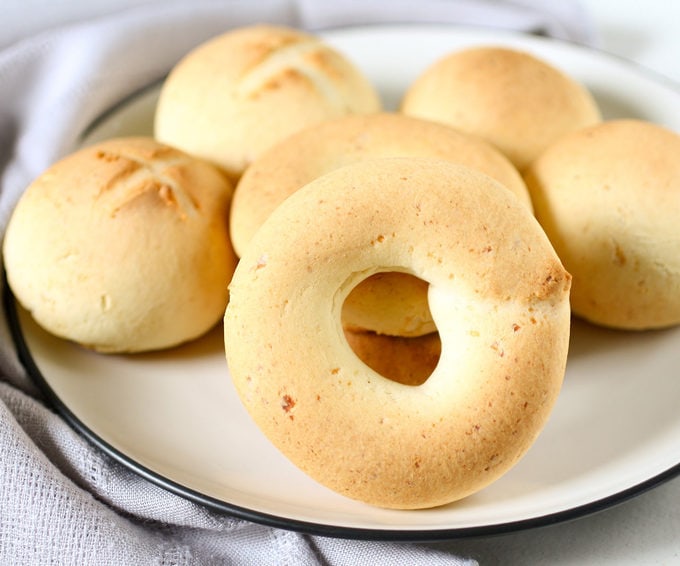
124 246
396 287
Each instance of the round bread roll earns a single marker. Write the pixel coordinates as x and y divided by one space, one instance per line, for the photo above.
390 303
499 296
239 93
123 246
320 148
402 359
395 303
510 98
608 197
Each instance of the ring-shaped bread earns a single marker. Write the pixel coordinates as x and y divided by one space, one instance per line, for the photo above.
499 296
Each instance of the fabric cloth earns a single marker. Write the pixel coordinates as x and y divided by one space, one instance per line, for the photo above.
63 501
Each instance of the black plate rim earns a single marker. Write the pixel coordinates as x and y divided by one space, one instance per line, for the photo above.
311 528
357 533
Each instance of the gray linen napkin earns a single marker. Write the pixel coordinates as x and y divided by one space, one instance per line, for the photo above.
63 501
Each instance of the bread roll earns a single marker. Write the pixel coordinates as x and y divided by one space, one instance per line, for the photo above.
320 148
608 197
239 93
123 246
517 102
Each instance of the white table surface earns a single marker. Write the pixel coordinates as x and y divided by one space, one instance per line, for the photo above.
644 530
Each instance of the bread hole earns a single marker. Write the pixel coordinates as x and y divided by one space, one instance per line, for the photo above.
403 343
409 360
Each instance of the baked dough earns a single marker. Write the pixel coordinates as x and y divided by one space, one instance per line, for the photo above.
389 303
320 148
498 294
123 246
407 360
511 98
239 93
608 197
393 304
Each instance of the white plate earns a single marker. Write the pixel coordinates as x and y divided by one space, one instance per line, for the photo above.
175 418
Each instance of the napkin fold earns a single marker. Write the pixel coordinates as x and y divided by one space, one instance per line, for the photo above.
62 500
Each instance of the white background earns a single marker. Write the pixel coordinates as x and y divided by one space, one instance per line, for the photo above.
645 530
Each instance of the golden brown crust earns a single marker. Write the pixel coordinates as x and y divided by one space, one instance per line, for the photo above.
504 336
237 94
387 304
123 246
406 360
320 148
608 196
510 98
